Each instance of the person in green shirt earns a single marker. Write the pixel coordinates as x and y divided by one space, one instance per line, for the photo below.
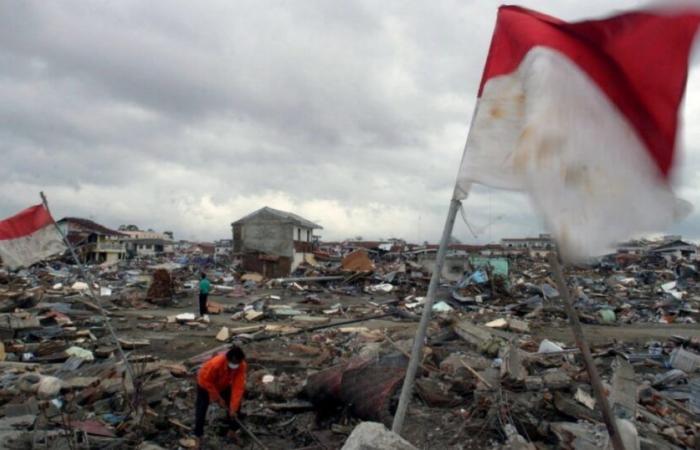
204 288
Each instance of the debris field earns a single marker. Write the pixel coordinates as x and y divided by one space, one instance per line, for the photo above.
328 347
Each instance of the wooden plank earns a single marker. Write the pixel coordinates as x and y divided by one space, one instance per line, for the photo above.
624 390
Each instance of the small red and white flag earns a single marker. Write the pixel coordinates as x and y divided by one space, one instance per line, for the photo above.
28 237
583 116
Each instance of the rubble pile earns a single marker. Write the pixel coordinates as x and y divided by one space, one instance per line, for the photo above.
63 385
328 348
161 289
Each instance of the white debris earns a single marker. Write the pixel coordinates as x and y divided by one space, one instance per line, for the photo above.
374 436
185 317
79 286
547 346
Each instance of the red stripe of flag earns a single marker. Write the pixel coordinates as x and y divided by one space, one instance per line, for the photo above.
25 222
639 59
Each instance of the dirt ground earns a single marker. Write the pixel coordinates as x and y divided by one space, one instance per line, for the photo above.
179 345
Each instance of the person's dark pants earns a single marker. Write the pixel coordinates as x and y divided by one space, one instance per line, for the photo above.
202 404
203 304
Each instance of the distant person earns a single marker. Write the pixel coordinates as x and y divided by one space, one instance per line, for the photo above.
221 380
204 288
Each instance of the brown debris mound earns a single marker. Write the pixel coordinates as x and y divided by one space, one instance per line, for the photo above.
161 290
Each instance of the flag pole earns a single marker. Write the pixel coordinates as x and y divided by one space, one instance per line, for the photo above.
596 383
88 278
416 352
418 341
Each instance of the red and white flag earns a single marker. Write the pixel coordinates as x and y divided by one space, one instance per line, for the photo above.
28 237
583 116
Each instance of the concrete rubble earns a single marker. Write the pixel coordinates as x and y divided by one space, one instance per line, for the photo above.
327 350
373 436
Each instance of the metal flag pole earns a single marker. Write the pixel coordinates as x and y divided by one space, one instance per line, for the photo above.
88 278
418 341
596 383
416 352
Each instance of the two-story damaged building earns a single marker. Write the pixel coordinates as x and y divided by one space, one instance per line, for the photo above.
536 246
273 242
94 243
676 250
145 243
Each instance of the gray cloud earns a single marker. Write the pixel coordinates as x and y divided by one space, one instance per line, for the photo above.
174 115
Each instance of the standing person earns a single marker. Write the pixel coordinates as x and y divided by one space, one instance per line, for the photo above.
221 380
204 288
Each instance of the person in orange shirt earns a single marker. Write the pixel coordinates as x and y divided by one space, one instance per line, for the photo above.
221 380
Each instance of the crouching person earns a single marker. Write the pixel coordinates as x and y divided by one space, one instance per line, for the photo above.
221 380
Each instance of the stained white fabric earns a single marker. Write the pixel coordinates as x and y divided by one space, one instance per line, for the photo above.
547 129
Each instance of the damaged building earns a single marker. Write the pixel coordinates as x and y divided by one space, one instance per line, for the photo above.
273 242
94 243
145 243
538 247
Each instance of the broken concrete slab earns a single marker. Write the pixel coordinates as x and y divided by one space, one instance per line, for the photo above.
223 335
375 436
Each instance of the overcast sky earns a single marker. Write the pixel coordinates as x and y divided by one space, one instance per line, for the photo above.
185 116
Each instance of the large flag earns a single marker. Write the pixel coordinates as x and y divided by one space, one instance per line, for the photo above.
28 237
583 116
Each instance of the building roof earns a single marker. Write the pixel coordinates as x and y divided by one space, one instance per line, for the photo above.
92 227
284 215
672 245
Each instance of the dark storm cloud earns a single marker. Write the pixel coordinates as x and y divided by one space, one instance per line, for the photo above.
185 116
